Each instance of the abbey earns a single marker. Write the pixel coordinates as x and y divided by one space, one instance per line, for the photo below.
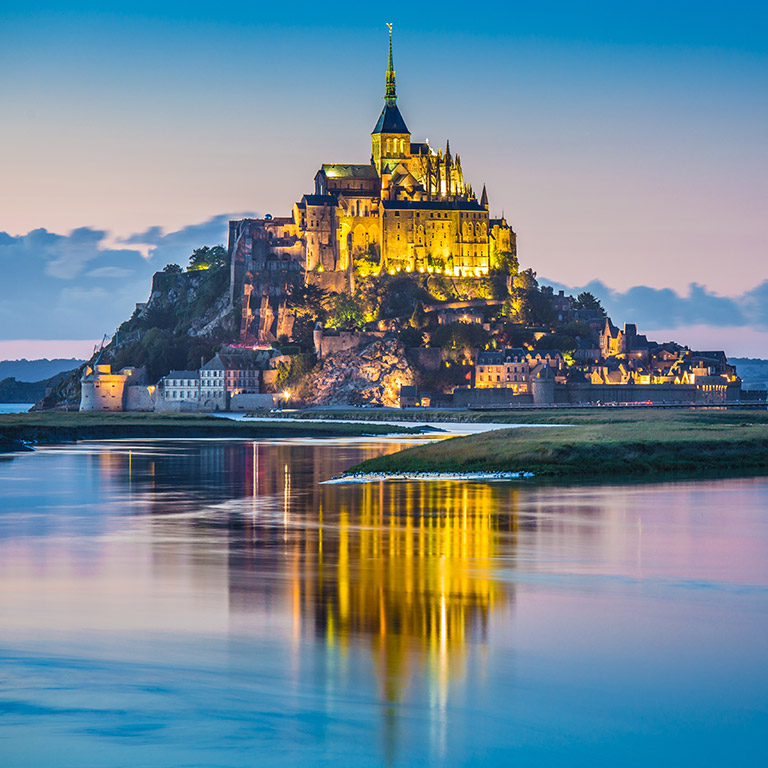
408 210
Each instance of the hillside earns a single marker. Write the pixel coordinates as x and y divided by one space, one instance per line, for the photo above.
753 371
187 317
14 391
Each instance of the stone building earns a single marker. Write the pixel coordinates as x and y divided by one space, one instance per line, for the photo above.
507 368
409 209
230 373
182 387
103 390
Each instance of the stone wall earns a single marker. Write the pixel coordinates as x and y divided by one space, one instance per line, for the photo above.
574 394
465 397
251 402
138 398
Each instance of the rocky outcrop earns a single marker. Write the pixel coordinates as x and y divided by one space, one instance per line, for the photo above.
373 374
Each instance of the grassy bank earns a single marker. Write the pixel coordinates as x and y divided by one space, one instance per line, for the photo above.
559 415
602 444
71 427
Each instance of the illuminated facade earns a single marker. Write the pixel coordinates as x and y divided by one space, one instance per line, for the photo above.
409 209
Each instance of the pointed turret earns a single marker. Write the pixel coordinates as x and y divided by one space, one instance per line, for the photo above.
484 198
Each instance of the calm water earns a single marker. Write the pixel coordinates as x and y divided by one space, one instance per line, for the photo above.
15 407
203 603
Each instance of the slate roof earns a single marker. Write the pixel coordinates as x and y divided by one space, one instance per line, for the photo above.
182 375
318 200
390 121
499 356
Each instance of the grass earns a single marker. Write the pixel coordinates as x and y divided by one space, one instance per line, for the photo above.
560 415
603 444
70 427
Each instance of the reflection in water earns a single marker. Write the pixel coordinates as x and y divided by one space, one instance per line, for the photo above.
406 566
216 590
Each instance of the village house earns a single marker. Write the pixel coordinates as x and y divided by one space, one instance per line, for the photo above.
181 386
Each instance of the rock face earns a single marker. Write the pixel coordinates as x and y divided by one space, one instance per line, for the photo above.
373 374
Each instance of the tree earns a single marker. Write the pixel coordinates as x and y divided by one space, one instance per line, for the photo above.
526 280
507 262
172 269
208 258
587 300
460 336
419 317
562 341
345 313
411 337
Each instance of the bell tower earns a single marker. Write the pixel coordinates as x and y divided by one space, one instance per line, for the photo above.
391 139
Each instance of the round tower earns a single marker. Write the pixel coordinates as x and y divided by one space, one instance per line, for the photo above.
317 338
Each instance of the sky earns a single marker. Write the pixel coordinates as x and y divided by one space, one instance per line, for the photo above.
626 143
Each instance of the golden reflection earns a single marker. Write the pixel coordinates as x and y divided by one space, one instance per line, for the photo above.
412 570
406 567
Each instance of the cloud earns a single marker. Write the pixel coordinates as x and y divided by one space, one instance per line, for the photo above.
175 247
115 272
663 308
84 284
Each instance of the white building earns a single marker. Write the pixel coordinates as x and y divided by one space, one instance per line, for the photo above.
213 389
182 387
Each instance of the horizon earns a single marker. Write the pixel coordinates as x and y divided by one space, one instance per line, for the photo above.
625 149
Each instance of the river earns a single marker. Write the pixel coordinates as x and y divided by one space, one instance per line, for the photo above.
210 603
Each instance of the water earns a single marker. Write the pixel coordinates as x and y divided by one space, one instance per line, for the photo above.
208 603
15 407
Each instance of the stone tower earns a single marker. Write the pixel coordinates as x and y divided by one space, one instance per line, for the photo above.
391 139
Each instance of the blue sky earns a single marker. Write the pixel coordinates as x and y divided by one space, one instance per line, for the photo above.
625 142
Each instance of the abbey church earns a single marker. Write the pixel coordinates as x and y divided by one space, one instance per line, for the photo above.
409 209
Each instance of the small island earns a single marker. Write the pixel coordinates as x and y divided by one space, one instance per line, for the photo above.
599 445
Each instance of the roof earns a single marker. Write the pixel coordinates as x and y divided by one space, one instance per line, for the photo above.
319 200
230 362
499 356
390 121
421 148
340 171
408 391
182 375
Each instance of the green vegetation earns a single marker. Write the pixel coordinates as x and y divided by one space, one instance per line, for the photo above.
587 300
159 336
208 258
603 445
12 391
71 427
291 375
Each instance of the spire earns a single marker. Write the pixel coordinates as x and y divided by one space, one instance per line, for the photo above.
390 94
484 199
